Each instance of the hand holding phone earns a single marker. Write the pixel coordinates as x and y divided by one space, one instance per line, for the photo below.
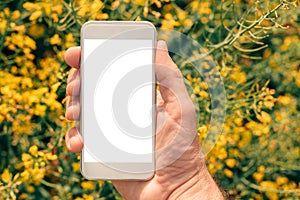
185 177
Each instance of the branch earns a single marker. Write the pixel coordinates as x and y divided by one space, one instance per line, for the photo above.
260 188
230 38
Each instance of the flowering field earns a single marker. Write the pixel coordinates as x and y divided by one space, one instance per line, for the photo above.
255 45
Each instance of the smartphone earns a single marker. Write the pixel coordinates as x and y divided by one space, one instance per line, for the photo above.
117 119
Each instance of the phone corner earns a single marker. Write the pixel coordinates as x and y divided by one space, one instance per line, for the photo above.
84 172
149 176
148 23
85 25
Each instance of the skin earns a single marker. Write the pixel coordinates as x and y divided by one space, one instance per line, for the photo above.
181 171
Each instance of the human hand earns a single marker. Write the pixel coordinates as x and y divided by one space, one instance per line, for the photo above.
181 172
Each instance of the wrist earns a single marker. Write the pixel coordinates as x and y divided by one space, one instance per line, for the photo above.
199 186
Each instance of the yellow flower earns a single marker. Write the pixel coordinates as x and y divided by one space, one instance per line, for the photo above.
25 175
288 41
238 121
50 156
261 168
196 89
181 15
35 15
228 173
204 8
139 2
269 104
281 180
234 152
87 197
264 117
29 6
26 157
23 196
33 150
6 11
46 7
222 141
115 5
270 185
102 16
27 160
246 139
258 196
204 20
57 8
6 176
157 3
55 40
29 42
88 185
168 16
204 85
30 189
76 166
269 101
36 30
3 26
15 15
145 11
222 154
258 176
230 162
239 77
40 110
70 40
188 22
194 5
54 17
284 100
169 24
202 129
203 94
189 78
37 174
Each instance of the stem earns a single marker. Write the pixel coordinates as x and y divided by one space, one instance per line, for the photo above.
257 187
230 39
249 50
52 185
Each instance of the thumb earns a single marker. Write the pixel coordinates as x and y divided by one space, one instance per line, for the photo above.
168 75
163 57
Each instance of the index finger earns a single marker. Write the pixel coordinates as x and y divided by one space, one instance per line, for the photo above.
72 57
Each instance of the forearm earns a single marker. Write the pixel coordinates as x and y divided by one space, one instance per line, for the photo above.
201 186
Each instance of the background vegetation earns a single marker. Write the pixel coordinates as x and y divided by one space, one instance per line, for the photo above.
254 44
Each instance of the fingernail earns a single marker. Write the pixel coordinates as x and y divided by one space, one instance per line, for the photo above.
161 44
76 144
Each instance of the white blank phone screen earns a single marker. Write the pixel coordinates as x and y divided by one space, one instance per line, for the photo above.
117 100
